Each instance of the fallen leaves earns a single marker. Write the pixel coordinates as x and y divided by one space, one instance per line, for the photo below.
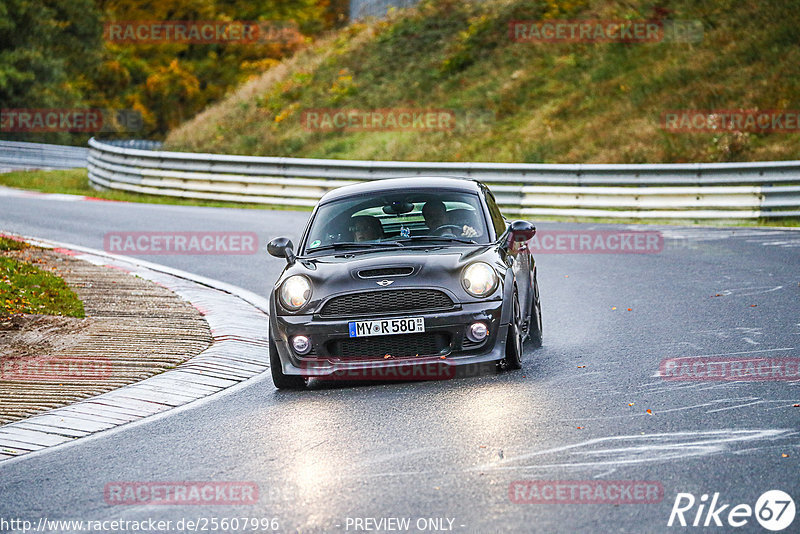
796 405
784 455
581 367
580 428
631 403
649 411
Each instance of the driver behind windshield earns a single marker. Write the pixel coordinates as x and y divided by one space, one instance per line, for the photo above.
435 214
366 228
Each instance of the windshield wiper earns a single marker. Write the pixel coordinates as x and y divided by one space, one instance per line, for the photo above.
337 246
437 238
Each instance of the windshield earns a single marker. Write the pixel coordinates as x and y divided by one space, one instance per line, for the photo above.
396 217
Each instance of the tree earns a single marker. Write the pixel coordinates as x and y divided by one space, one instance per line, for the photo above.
48 50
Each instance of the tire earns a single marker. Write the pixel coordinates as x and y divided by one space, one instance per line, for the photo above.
282 381
535 329
513 358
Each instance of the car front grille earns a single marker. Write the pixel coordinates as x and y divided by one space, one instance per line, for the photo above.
387 301
399 346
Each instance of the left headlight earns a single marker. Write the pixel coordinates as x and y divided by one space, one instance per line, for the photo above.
295 292
479 279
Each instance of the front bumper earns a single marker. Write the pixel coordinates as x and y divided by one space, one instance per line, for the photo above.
456 356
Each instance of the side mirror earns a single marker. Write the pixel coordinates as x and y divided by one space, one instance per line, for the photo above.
522 231
281 247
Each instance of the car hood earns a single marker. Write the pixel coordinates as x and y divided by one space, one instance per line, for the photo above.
434 267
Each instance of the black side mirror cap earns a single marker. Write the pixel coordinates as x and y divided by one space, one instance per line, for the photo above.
282 247
522 231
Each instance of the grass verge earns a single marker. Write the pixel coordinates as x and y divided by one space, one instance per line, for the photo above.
24 288
521 102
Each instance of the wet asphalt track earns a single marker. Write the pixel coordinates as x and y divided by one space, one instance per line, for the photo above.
450 449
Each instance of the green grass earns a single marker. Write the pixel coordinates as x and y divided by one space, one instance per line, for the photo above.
76 182
25 288
523 102
12 244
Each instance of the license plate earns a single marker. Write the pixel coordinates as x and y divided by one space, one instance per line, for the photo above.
387 327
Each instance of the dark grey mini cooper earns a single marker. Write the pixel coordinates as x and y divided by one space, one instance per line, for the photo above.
407 278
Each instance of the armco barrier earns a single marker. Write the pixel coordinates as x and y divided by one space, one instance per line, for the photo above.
14 155
669 191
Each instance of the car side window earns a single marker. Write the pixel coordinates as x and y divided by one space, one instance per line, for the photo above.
498 221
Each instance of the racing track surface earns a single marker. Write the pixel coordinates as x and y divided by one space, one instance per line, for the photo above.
450 449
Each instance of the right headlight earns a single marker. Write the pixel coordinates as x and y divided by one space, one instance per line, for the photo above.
295 292
479 279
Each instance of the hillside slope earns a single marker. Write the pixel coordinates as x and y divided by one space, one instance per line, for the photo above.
523 101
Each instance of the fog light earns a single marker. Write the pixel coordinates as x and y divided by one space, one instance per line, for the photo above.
477 332
301 345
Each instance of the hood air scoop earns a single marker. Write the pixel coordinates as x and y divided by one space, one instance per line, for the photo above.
383 272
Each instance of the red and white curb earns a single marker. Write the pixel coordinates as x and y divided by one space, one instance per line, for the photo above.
240 350
64 197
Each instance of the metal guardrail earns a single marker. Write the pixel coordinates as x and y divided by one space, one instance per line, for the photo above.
669 191
16 155
376 8
141 144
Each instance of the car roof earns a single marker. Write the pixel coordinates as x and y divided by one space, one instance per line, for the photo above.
412 182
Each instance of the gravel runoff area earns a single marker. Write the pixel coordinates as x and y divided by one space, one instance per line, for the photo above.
133 329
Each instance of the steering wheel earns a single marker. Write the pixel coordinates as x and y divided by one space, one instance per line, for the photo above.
443 230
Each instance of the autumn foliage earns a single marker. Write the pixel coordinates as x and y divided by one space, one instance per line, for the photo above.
53 53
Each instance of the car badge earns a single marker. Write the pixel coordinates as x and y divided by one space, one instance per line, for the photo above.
384 283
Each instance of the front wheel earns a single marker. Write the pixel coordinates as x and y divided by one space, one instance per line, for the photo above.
535 319
514 340
281 380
